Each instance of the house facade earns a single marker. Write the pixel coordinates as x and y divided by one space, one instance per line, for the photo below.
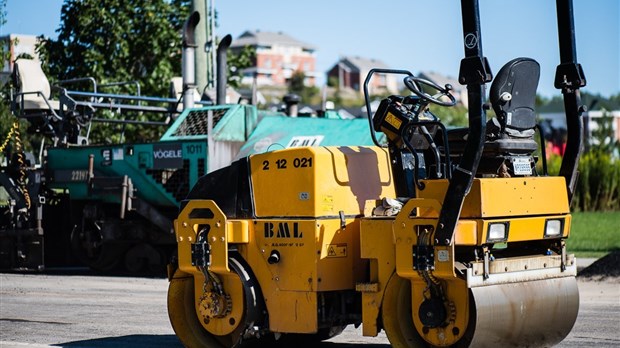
278 57
350 73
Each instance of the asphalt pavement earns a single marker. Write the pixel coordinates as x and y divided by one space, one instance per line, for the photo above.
68 310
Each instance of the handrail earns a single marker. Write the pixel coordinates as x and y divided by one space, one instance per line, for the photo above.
130 97
38 93
122 83
79 79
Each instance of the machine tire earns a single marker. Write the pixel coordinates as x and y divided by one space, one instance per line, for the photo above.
396 315
144 258
106 257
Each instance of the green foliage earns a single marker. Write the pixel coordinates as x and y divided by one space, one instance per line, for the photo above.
4 53
118 40
592 101
237 62
311 95
347 101
333 81
6 119
603 138
599 170
553 164
121 41
598 188
296 83
455 116
297 86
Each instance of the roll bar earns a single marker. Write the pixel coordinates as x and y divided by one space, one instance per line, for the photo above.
569 77
474 72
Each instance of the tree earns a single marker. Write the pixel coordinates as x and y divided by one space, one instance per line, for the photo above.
4 53
237 62
6 119
455 116
118 40
297 86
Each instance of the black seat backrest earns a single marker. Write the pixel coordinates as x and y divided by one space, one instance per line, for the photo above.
513 94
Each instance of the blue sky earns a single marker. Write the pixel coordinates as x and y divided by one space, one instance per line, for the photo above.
418 35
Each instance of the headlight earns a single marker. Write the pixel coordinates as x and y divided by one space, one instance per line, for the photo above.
497 232
554 228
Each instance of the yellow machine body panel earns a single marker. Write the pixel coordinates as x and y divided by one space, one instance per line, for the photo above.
319 181
311 255
493 197
309 263
307 203
377 245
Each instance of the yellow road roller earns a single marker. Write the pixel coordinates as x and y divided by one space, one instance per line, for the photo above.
441 237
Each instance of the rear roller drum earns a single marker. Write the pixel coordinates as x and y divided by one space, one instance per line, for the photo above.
182 314
212 319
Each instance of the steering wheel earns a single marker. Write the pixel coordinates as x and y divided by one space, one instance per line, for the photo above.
413 84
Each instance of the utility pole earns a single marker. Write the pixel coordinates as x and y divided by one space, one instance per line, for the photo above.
205 39
211 45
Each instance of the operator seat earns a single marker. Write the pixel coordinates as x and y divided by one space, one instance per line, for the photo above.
34 89
33 99
512 96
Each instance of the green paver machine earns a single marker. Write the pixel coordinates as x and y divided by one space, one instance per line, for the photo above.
111 206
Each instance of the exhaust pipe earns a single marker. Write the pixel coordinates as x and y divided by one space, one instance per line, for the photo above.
292 104
189 57
222 69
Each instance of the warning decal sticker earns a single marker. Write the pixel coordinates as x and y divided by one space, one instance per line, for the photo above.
337 250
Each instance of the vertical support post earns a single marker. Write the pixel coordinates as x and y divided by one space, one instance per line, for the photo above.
210 146
201 61
91 167
211 43
474 72
124 192
569 77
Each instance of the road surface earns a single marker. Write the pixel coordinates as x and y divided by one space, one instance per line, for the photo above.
40 310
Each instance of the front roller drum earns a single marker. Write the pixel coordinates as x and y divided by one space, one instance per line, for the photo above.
527 314
537 313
